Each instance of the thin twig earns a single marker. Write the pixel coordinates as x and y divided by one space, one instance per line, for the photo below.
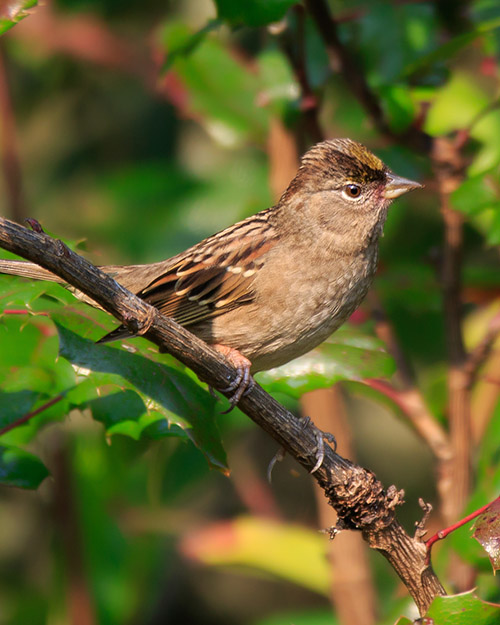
28 416
448 530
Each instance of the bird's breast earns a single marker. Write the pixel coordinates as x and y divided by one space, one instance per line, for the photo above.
297 310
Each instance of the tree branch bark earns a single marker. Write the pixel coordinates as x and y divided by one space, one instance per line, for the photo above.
355 493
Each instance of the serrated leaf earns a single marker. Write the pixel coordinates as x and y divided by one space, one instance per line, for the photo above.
21 294
164 388
347 355
463 609
487 532
123 412
252 12
20 468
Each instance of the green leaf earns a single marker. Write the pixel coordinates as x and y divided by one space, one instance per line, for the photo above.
463 609
450 48
185 43
399 106
220 91
279 86
15 405
13 11
290 552
410 29
162 388
347 355
477 193
252 12
124 412
20 468
479 197
445 115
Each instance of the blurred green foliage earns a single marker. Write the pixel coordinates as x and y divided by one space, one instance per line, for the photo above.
144 128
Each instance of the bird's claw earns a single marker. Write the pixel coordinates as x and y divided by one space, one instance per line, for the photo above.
278 457
243 382
320 442
240 386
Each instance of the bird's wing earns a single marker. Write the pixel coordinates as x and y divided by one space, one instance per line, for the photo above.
213 276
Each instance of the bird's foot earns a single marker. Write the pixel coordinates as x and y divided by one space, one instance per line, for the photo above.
243 382
278 457
320 442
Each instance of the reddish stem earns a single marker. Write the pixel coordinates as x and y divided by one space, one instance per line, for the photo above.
448 530
22 311
24 419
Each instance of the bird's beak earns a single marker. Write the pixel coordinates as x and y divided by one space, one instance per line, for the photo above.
396 186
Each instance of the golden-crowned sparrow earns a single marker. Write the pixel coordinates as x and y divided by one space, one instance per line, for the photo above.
275 285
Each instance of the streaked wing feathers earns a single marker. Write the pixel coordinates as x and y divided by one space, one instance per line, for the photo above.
214 276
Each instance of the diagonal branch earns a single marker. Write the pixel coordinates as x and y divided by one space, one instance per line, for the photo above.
355 493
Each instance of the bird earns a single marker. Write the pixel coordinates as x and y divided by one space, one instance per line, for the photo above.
274 286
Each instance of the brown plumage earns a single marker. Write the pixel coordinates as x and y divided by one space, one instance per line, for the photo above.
275 285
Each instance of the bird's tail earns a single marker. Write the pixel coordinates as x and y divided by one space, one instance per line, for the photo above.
27 270
32 270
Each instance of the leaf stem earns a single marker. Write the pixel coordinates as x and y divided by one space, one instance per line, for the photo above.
25 418
451 528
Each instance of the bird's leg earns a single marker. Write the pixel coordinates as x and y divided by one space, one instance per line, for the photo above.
320 442
243 382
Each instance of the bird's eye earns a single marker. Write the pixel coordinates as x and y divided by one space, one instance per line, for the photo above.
352 190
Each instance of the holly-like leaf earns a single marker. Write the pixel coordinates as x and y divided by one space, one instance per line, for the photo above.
348 354
150 388
465 609
20 468
487 532
124 412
